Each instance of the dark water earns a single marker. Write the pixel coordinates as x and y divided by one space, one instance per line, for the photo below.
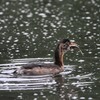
29 31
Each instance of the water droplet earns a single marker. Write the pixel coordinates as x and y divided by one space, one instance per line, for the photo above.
35 94
16 40
45 33
42 15
90 98
81 61
30 15
52 24
74 98
88 17
1 13
82 98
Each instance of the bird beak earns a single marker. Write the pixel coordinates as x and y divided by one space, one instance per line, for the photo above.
73 45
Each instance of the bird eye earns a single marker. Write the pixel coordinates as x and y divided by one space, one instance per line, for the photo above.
64 46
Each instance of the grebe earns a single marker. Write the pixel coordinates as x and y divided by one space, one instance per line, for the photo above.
57 67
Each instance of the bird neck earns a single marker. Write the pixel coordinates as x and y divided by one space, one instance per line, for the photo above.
59 56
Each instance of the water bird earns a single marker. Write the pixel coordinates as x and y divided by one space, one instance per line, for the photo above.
58 66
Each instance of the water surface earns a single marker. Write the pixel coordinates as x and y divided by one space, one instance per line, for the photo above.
29 32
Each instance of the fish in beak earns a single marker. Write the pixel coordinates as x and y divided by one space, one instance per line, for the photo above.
73 45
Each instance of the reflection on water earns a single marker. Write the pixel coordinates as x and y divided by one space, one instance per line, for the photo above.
65 85
30 29
26 83
9 81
